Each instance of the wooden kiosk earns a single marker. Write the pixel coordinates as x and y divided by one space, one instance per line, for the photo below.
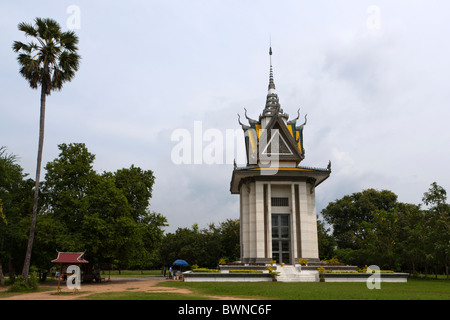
66 259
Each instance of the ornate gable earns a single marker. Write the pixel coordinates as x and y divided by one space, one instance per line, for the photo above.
278 141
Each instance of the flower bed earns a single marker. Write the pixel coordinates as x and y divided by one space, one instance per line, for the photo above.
245 271
205 270
226 277
231 273
249 266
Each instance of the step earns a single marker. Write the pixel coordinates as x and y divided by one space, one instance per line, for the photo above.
293 274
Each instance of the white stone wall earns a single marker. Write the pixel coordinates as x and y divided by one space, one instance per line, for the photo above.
256 241
308 222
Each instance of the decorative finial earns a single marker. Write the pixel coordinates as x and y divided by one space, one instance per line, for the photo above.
271 82
270 45
250 121
244 127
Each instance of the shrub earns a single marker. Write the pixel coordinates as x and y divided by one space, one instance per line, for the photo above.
321 274
245 271
333 261
21 285
205 270
274 274
364 270
33 281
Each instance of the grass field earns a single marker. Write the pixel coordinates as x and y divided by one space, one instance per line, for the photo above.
413 290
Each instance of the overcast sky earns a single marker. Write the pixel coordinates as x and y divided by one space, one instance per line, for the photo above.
373 77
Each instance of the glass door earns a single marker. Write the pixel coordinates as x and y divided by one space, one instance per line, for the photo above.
281 241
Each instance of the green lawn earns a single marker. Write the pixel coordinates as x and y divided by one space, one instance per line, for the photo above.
412 290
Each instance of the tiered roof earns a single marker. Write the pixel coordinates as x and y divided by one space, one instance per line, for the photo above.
70 257
273 123
275 140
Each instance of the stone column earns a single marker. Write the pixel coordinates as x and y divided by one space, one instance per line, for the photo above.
269 223
259 221
308 226
313 222
252 222
293 225
244 216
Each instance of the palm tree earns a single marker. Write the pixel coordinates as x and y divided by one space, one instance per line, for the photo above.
48 62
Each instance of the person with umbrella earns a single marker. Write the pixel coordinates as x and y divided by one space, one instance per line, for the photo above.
180 263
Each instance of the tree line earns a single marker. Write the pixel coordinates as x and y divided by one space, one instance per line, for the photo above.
373 227
107 216
80 210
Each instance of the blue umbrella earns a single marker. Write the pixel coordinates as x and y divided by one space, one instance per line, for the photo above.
180 263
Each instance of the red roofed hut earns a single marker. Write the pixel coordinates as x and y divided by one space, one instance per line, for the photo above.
70 258
66 259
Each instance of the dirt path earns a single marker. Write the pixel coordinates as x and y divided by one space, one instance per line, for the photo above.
115 285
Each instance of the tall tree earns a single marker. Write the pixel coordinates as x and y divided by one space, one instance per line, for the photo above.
347 215
327 244
67 181
383 237
16 201
85 210
229 231
48 62
2 220
137 185
438 217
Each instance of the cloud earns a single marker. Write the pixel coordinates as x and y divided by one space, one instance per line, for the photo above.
377 102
